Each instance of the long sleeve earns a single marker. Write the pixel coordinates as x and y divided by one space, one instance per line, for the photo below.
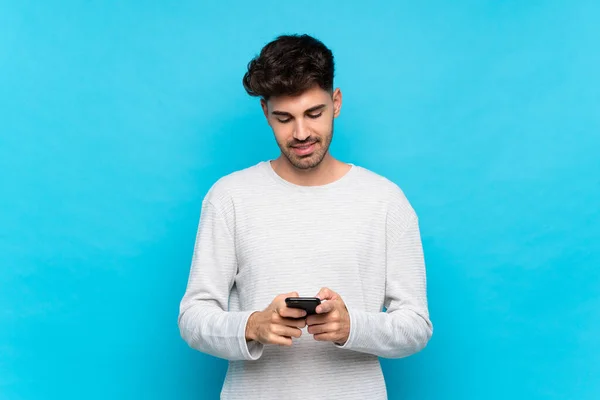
204 320
404 328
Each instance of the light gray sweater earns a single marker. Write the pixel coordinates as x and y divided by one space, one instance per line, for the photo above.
260 235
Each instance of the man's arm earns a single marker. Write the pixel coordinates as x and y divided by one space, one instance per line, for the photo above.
204 322
405 328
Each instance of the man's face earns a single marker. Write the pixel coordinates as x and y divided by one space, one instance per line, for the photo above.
303 125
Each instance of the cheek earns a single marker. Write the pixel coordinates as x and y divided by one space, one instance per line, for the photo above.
282 133
323 128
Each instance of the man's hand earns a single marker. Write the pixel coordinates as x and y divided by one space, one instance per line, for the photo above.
276 324
332 321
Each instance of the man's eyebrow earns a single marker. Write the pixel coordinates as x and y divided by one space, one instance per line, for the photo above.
310 110
282 113
315 108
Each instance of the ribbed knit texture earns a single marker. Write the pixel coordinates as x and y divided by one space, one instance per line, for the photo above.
260 236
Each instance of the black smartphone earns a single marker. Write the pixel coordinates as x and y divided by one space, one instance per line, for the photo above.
308 304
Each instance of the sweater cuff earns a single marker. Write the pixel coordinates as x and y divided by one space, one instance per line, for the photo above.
251 350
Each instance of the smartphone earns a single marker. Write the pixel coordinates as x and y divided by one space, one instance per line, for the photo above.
308 304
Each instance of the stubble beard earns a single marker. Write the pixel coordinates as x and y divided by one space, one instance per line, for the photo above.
312 160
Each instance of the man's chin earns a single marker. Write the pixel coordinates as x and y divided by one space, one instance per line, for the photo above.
305 163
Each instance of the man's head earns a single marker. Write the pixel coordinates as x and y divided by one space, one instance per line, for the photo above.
293 75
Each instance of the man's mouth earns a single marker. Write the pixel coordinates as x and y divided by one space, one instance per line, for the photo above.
304 148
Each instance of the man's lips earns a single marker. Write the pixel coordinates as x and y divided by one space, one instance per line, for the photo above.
304 148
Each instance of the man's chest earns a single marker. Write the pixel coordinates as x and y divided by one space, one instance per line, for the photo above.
278 243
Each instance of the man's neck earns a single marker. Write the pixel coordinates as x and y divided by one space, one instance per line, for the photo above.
328 171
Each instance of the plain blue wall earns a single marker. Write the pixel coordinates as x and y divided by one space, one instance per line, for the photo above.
116 117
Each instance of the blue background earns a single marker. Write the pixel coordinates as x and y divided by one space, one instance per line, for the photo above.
116 117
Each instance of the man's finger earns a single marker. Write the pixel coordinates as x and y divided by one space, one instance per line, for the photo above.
290 294
289 312
286 331
294 323
325 307
325 337
326 294
317 319
322 328
280 340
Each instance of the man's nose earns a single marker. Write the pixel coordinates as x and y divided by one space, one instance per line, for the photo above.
301 132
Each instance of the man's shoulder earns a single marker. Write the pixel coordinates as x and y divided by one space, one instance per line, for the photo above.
382 190
235 182
378 184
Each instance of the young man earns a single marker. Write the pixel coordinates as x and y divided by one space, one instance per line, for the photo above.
304 224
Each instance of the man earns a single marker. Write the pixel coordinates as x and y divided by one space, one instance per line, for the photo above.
304 224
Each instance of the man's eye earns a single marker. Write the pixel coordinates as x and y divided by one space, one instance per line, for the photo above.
314 116
284 121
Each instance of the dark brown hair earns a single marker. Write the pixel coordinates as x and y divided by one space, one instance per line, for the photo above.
289 65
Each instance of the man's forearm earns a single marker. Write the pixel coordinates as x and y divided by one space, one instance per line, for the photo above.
396 334
218 333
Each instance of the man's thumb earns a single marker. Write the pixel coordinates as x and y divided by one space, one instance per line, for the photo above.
325 294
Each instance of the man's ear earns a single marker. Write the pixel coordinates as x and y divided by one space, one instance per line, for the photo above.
337 102
265 108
